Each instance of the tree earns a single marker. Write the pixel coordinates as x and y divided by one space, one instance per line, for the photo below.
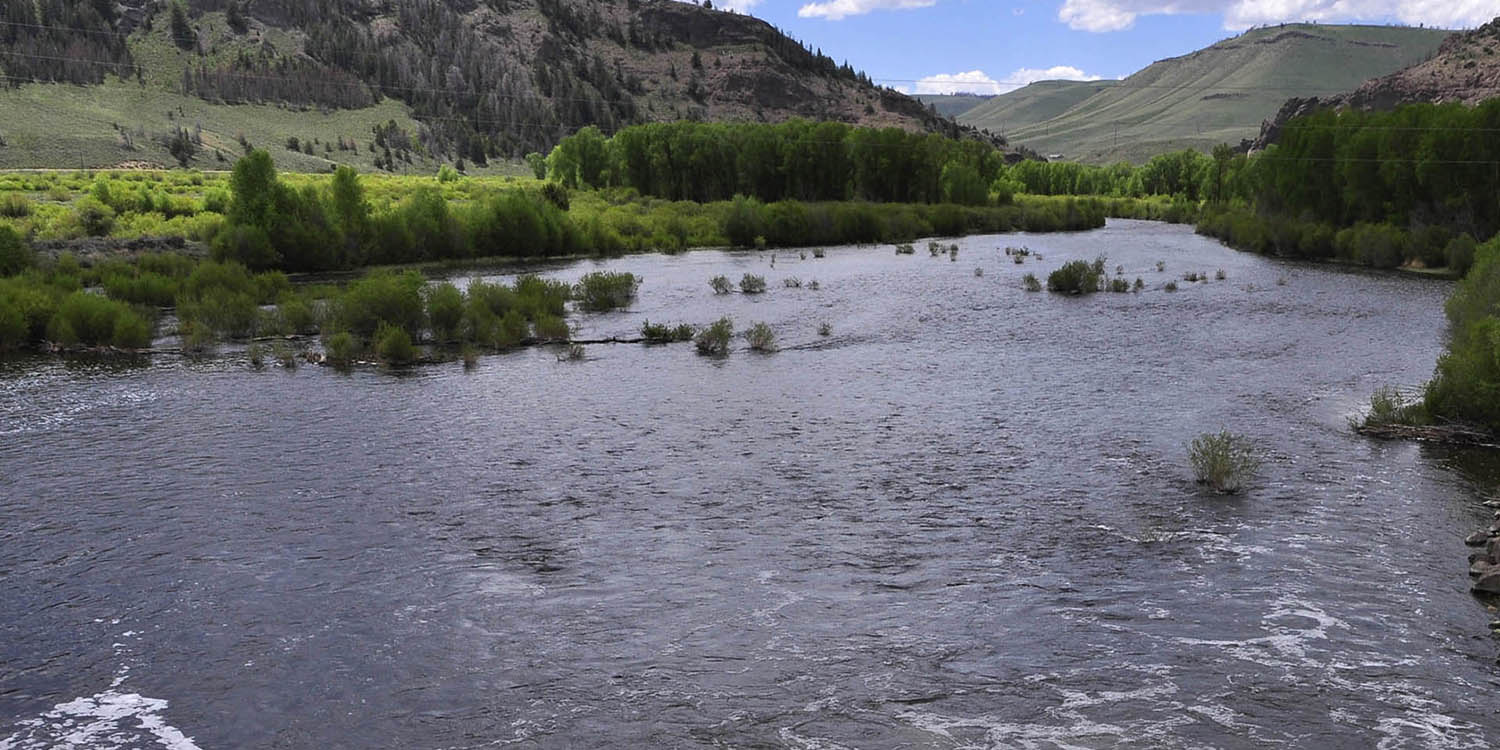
182 31
235 16
538 164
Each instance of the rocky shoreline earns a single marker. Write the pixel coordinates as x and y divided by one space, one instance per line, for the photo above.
1484 564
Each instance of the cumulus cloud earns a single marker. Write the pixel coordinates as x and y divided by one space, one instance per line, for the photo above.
977 82
834 10
1114 15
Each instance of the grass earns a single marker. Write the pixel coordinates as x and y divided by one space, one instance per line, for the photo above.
713 340
1224 461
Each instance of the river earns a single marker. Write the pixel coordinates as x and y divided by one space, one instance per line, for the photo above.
965 519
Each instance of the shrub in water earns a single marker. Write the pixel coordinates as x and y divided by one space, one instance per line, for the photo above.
340 349
1118 284
792 282
393 344
656 333
1031 282
1389 406
714 340
1223 461
1139 285
752 284
1170 286
603 290
257 356
551 328
445 311
825 330
721 284
906 249
1220 275
761 338
93 320
1075 277
382 297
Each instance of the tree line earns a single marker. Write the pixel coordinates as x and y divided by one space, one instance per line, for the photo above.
797 159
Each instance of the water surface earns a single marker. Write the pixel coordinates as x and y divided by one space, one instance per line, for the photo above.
963 520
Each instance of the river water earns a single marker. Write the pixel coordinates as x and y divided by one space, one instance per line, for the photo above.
963 520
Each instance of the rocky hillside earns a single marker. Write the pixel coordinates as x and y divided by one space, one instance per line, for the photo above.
1466 68
480 77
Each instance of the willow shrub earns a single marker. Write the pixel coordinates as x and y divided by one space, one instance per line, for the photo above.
94 320
600 291
1466 387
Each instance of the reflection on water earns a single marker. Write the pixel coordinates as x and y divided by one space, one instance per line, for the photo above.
964 519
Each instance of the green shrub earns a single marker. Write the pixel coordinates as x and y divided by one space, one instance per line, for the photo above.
445 311
143 288
94 218
15 206
1389 406
93 320
752 284
382 297
744 221
13 328
296 315
655 333
1459 254
551 328
1170 286
721 284
1223 461
340 348
15 254
1077 277
600 291
826 329
761 338
714 339
1031 282
1118 285
393 345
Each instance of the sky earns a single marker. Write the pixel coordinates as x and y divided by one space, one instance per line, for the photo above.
993 46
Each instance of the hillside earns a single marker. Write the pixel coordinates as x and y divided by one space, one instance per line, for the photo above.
1220 94
1465 69
99 83
1031 104
952 105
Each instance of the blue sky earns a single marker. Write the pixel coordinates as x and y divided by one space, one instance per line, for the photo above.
933 46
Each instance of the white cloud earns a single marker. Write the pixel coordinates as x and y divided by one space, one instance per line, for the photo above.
835 10
977 82
1114 15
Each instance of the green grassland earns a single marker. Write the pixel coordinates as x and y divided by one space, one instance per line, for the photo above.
952 105
1031 104
1219 94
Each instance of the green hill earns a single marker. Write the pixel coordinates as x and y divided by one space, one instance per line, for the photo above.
1219 94
1031 104
952 105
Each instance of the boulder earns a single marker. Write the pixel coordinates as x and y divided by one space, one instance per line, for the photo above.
1478 568
1477 538
1489 582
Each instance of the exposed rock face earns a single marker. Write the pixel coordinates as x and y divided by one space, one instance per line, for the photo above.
1466 69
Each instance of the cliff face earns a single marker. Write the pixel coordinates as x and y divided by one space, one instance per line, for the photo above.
486 77
1466 69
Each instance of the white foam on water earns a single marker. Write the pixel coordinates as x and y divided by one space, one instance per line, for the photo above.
1288 643
110 720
